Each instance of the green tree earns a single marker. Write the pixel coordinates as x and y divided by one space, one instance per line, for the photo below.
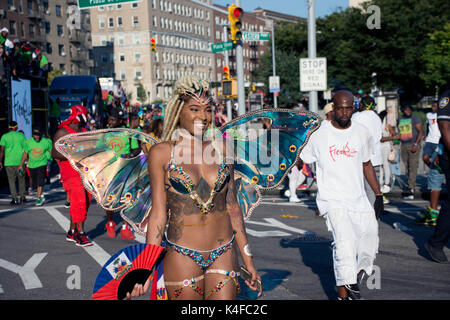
401 52
52 75
436 58
140 93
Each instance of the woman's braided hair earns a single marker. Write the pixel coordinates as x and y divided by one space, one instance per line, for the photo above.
186 87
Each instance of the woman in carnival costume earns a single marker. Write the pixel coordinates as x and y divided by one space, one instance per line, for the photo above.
203 189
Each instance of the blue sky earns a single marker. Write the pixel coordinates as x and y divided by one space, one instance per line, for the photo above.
293 7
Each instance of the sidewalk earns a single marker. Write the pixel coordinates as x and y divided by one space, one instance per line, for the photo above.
421 191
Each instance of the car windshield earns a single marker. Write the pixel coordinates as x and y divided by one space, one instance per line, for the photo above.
65 108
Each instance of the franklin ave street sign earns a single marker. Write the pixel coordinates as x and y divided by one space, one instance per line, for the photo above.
222 46
84 4
256 36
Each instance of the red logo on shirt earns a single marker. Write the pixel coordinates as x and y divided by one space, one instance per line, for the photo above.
116 144
344 151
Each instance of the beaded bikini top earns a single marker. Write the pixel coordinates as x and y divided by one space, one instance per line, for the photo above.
185 185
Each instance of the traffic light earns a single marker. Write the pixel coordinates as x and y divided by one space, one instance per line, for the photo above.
229 88
153 44
235 15
226 72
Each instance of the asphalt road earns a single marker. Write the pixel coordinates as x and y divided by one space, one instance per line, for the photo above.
290 244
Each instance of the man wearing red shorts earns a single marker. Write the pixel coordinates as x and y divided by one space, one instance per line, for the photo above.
80 199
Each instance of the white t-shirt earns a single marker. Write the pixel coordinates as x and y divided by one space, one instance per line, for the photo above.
372 122
434 134
339 156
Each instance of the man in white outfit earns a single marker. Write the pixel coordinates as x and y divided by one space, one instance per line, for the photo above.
368 117
342 151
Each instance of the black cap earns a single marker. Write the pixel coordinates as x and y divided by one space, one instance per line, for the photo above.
37 132
117 113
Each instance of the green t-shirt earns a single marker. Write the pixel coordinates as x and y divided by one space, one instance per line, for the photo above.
13 142
120 142
44 61
55 110
38 152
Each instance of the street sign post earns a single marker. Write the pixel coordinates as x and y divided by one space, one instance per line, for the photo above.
256 36
313 74
222 46
274 84
85 4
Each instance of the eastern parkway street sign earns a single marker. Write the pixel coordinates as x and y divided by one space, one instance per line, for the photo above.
84 4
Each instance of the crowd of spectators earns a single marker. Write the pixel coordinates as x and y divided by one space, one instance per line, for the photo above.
21 58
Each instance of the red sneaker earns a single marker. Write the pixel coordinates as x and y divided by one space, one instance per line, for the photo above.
83 240
111 229
72 236
126 233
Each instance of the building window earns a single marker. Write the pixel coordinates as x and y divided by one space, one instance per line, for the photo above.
138 74
31 30
61 50
110 22
134 5
119 22
122 57
137 56
60 30
135 21
48 48
137 38
122 75
101 22
12 27
58 11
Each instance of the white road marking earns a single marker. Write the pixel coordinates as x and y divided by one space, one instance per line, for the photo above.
26 273
268 233
95 251
270 222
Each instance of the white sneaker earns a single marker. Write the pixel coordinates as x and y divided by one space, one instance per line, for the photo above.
287 193
385 189
294 199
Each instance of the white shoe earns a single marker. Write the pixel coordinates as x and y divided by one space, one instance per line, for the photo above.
385 189
294 199
287 193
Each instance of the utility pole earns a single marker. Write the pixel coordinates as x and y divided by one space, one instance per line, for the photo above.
275 97
313 101
240 73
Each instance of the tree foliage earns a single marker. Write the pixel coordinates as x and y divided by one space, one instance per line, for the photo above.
409 51
436 57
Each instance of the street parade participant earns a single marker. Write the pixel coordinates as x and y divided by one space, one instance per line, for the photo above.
80 199
342 150
193 183
124 147
11 146
214 227
37 151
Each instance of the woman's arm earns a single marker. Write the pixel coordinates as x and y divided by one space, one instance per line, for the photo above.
237 221
158 214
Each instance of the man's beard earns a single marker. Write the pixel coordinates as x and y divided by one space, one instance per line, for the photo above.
342 123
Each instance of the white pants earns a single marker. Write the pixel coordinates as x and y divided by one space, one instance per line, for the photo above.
296 178
355 245
385 169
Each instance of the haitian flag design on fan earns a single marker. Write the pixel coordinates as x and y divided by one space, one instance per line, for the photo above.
131 265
